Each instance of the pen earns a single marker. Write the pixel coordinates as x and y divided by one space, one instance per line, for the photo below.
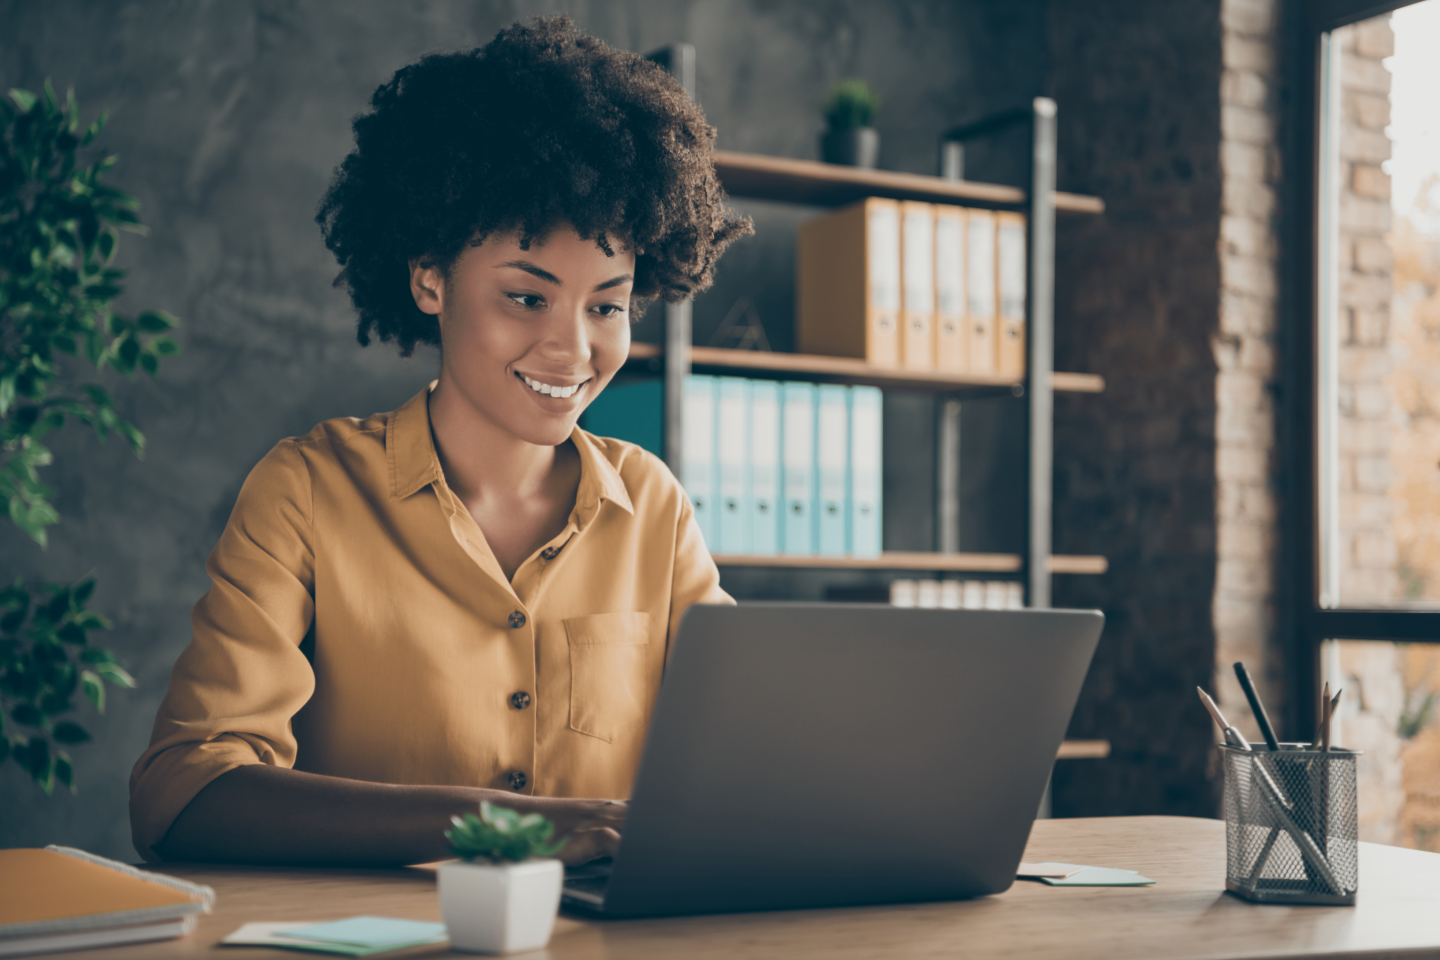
1233 737
1256 707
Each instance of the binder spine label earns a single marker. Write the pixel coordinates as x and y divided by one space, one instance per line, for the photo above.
951 336
832 458
798 439
980 283
882 269
764 500
1011 243
918 288
732 423
866 471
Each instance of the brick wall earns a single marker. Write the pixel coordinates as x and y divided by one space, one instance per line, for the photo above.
1246 357
1368 567
1175 297
1138 300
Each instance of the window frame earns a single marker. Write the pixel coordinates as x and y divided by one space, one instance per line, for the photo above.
1307 623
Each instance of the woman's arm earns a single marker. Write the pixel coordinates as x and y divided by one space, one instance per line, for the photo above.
260 813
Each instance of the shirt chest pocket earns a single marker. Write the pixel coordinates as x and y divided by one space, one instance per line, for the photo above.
611 682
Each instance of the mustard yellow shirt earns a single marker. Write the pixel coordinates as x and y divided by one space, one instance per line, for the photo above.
359 626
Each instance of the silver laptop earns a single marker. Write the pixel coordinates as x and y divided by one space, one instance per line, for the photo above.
817 755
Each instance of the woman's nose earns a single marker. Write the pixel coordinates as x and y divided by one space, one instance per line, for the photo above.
568 338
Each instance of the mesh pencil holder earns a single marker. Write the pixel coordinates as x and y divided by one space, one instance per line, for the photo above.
1291 831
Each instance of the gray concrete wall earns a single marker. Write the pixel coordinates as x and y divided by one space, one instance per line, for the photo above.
229 117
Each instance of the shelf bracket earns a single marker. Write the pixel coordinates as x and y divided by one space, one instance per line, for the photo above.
1040 303
679 60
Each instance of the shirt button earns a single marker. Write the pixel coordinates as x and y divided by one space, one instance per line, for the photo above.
550 553
517 620
518 780
520 700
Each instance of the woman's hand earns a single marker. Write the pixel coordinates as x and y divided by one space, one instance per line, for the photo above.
591 828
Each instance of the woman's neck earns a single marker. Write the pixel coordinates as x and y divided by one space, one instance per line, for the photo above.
520 494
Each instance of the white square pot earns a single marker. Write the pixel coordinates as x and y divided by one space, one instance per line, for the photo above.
500 908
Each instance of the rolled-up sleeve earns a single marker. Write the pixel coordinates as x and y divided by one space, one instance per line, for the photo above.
243 677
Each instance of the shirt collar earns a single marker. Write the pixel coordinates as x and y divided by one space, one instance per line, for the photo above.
414 464
599 480
410 449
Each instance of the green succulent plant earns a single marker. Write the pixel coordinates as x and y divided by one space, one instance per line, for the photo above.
852 104
501 835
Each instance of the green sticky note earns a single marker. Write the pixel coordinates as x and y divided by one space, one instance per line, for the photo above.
370 932
276 935
1099 877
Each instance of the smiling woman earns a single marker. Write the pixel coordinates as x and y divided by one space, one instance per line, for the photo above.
468 598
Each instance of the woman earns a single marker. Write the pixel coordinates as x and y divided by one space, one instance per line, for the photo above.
469 598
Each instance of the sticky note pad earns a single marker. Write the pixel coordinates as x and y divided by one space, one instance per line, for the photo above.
370 932
1098 877
274 935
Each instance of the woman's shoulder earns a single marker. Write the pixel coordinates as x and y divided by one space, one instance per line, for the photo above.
346 443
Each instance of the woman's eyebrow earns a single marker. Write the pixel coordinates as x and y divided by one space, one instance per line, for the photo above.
531 269
614 282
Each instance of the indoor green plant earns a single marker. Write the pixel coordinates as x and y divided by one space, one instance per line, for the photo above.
58 235
850 137
502 895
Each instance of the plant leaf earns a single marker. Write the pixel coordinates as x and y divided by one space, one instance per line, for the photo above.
93 688
65 771
70 733
115 674
24 99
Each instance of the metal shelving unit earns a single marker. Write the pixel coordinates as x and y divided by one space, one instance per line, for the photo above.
830 185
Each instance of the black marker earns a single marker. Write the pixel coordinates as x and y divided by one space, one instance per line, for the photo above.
1256 706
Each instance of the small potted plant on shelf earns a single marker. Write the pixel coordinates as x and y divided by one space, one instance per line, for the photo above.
849 138
503 893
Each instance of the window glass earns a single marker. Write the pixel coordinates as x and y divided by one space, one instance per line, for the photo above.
1389 710
1379 318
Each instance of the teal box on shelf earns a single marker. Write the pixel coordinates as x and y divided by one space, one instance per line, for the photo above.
632 410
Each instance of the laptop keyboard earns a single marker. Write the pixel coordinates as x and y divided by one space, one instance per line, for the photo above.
588 882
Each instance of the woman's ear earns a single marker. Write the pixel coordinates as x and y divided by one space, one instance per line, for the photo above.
427 286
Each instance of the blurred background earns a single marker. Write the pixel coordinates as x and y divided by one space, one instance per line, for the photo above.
229 117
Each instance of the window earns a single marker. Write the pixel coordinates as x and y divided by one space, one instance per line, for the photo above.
1368 617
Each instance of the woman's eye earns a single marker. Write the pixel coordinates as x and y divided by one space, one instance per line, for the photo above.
609 309
527 300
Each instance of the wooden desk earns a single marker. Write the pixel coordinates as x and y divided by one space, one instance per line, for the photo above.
1185 915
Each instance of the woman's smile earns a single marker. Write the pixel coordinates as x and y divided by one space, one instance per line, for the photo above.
553 389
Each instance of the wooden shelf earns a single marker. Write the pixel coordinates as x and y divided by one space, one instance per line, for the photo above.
918 560
856 371
1083 750
833 185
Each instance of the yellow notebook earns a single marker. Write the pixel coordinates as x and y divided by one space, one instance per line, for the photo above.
51 898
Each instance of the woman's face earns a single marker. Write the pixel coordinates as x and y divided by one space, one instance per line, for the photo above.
530 337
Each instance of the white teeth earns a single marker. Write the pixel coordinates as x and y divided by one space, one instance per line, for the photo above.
549 390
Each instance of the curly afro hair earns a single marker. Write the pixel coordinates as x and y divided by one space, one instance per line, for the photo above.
543 126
